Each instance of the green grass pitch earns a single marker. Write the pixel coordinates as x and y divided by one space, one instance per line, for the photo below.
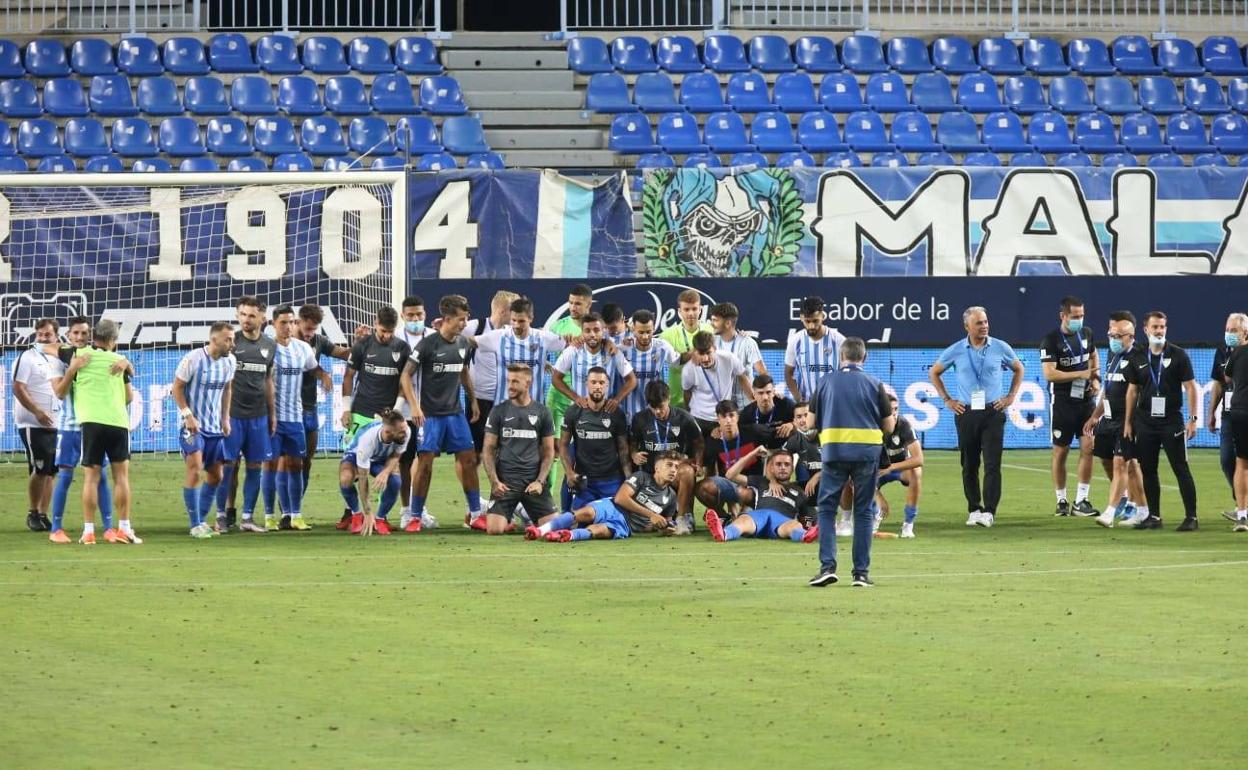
1043 642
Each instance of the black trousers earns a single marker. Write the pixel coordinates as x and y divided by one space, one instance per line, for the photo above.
981 433
1150 439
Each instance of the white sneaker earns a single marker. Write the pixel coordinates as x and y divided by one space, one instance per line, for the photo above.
686 522
405 519
985 519
972 520
1241 525
1134 518
1106 520
875 522
201 532
428 520
907 529
844 527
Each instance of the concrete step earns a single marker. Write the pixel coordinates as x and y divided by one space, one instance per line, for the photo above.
492 59
522 80
511 40
564 159
553 118
507 139
505 100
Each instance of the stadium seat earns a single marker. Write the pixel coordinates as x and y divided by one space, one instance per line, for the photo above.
152 166
1089 56
1237 94
1134 56
322 136
199 165
370 136
586 55
109 95
816 53
1028 160
180 137
912 132
1185 132
677 53
38 138
958 132
132 138
56 164
185 56
419 56
886 92
839 93
954 55
1141 134
230 52
725 132
464 135
1160 96
323 55
417 136
65 98
19 99
1003 132
274 136
747 92
607 92
139 57
703 160
291 161
939 158
1044 56
908 55
847 159
85 137
299 95
159 96
633 54
1024 94
245 165
1069 95
392 94
252 95
1115 95
485 161
1229 133
1094 132
981 160
795 92
797 159
1119 160
864 132
932 92
1165 160
678 133
104 164
7 145
46 58
889 160
772 132
228 136
436 161
92 56
630 135
13 166
370 55
1178 58
1204 96
863 54
818 132
1049 133
278 55
205 96
724 53
396 163
756 159
1221 56
977 92
771 53
345 95
11 60
440 95
1000 56
655 160
699 92
654 92
342 164
1211 159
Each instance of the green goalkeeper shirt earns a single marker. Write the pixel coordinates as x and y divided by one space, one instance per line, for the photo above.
100 395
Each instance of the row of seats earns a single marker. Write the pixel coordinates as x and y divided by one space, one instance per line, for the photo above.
1046 132
608 92
248 95
847 159
228 136
288 162
865 54
226 52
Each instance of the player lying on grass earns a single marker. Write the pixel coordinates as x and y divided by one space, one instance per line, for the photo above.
644 503
372 460
781 509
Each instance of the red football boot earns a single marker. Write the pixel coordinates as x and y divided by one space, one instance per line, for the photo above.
381 527
811 535
532 533
714 524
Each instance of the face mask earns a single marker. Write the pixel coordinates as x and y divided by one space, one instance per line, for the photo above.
1157 341
414 327
1075 325
1117 346
1231 339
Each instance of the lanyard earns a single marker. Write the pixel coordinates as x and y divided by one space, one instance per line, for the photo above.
729 457
1113 367
732 346
970 356
667 430
1156 374
1066 343
711 385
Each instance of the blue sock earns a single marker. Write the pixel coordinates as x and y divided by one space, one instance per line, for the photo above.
106 502
581 534
294 484
911 514
732 532
565 520
473 496
351 496
223 489
417 504
797 535
388 496
268 485
60 492
281 486
207 494
190 498
251 491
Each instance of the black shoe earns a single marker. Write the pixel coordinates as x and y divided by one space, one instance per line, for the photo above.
1063 508
1189 524
825 578
33 523
45 521
1084 508
1152 522
284 523
861 580
231 516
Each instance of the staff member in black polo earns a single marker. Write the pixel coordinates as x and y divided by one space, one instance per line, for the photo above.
1234 335
1236 369
1158 378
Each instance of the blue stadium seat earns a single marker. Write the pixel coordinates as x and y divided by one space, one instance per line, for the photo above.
152 166
1134 56
1028 160
1237 94
939 158
700 92
1024 94
909 55
1094 132
981 160
324 55
677 53
13 166
322 136
394 163
85 137
56 164
1229 133
185 56
954 55
92 56
912 132
230 52
654 92
818 132
464 135
1160 96
977 92
435 161
440 95
1000 56
370 55
725 53
342 164
1119 160
180 137
958 132
1069 95
630 53
65 98
485 161
417 136
863 54
1044 56
1141 134
252 95
932 92
132 138
274 136
725 132
816 53
1185 132
586 55
1222 56
278 55
889 160
1204 96
630 135
797 159
607 92
198 165
345 95
392 94
756 159
292 161
19 99
159 96
1211 159
655 160
299 95
228 136
38 138
1115 95
772 132
886 92
678 133
864 132
1003 132
11 60
1089 56
109 95
839 93
847 159
703 160
771 53
419 55
139 57
7 145
104 164
1165 160
46 58
246 165
205 96
370 136
747 92
1049 133
1178 58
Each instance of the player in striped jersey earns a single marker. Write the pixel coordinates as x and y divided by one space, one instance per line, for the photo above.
202 389
614 324
649 357
308 330
283 475
575 362
372 459
520 344
812 352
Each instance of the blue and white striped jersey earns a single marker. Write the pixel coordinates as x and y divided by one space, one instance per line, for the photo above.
508 349
651 364
290 361
576 363
811 359
68 421
367 447
206 380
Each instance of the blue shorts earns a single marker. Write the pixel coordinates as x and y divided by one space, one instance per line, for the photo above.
373 468
728 492
213 446
887 477
249 437
311 422
446 433
596 489
767 523
69 449
605 512
289 440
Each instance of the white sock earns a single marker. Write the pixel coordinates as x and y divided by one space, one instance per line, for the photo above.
1242 514
1109 512
1142 511
1061 494
125 526
406 511
88 528
546 528
1082 492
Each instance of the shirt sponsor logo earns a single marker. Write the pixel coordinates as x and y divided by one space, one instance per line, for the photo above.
258 368
591 435
447 368
519 433
382 371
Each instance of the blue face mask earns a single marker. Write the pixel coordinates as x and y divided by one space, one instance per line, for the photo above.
1117 346
1231 339
1157 341
1075 325
414 327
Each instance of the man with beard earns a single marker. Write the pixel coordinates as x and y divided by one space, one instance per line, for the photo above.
644 503
599 437
518 452
780 509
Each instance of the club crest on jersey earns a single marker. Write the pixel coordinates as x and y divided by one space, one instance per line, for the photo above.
395 356
1122 364
462 352
1165 362
606 422
532 419
264 353
675 431
896 439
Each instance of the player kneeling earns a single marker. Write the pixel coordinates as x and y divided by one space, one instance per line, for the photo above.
644 503
781 509
517 453
901 460
372 459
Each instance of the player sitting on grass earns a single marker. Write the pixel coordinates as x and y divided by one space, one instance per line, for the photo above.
645 503
372 459
202 389
781 508
901 460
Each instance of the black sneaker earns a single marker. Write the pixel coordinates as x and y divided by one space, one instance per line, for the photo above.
1189 524
34 523
284 523
825 578
231 516
1152 522
1063 508
861 580
1084 508
45 521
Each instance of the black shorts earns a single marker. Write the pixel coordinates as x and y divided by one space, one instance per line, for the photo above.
40 446
1110 443
413 443
100 441
1068 419
1239 432
537 506
477 429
